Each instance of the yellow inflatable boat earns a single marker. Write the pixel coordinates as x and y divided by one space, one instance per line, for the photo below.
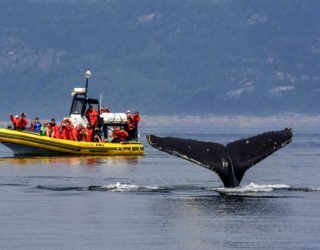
29 143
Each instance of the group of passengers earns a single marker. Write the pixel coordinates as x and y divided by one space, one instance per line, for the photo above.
89 133
67 131
130 129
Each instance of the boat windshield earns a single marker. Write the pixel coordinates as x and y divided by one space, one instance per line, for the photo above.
78 106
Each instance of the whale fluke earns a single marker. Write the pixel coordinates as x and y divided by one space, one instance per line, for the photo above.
229 161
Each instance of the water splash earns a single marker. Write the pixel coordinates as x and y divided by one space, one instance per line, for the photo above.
255 188
252 188
121 187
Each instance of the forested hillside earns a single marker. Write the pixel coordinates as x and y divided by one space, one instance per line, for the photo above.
161 57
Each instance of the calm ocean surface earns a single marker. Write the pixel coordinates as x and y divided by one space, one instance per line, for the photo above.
158 201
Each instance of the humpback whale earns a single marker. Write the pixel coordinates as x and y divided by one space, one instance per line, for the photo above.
229 161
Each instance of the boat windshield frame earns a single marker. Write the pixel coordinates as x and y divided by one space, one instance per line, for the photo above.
80 104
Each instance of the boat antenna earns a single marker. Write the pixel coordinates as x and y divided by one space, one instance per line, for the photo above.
88 74
100 101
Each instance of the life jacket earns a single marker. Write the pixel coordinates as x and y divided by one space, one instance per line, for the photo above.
123 135
137 118
131 124
69 133
89 134
63 134
53 130
56 130
66 129
75 134
21 123
120 134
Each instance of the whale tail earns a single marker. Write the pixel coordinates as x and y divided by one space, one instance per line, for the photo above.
229 161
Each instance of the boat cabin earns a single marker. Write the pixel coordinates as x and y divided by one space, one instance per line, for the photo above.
81 103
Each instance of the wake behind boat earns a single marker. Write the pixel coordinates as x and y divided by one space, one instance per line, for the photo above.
117 138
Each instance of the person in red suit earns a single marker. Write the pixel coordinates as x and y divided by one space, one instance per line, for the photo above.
66 130
132 125
119 135
89 131
19 122
53 130
92 116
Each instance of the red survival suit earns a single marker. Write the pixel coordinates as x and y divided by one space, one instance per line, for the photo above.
119 135
132 125
19 122
66 129
92 116
53 130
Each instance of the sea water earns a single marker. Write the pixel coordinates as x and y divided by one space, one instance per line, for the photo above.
158 201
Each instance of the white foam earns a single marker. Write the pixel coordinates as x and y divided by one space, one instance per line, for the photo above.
252 188
121 187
